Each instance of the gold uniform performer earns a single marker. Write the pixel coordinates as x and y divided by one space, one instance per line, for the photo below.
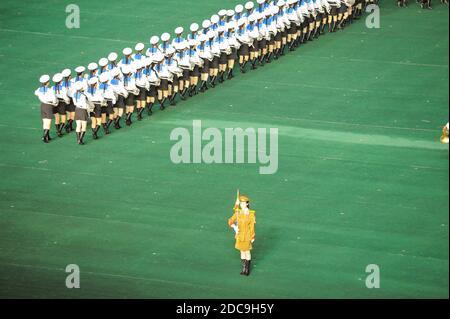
243 222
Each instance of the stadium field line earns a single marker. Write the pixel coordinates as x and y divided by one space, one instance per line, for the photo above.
313 120
66 36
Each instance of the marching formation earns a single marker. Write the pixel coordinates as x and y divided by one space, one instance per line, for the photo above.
116 88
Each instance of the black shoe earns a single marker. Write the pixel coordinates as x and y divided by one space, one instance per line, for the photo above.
117 123
247 269
67 128
105 129
81 138
45 136
94 133
149 109
243 262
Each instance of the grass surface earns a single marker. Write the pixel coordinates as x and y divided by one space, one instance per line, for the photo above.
362 176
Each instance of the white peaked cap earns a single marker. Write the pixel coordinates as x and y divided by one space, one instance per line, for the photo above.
241 22
260 1
93 80
139 46
194 27
112 56
249 5
44 78
281 3
239 8
221 29
57 78
222 12
275 10
179 30
147 61
127 51
78 85
115 72
192 43
252 18
104 77
92 66
230 13
80 69
66 72
206 24
103 62
154 39
202 38
259 16
215 18
165 37
211 34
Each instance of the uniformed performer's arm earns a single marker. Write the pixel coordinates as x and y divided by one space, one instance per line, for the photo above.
233 219
252 226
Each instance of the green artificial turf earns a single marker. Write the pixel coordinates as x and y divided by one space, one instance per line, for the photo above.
362 177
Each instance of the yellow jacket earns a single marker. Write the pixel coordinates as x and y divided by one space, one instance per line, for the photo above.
246 225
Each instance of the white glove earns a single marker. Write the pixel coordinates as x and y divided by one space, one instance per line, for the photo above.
235 227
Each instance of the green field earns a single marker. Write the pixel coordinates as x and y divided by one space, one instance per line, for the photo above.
362 177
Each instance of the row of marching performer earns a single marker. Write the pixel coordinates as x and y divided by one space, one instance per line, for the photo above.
184 66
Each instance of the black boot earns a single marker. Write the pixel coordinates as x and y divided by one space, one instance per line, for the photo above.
128 120
71 125
48 136
68 126
254 64
149 108
247 268
61 128
221 77
45 136
230 74
78 137
81 138
242 67
105 129
172 99
108 124
243 262
117 123
94 132
269 57
183 94
202 86
58 131
162 107
213 81
140 111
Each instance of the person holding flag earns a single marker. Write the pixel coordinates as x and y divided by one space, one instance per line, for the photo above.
243 222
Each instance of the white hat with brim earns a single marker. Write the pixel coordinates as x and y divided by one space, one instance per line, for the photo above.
66 73
57 78
103 62
215 18
194 27
44 78
92 66
112 56
206 24
179 30
154 40
139 46
222 13
165 37
80 69
249 5
127 51
239 8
